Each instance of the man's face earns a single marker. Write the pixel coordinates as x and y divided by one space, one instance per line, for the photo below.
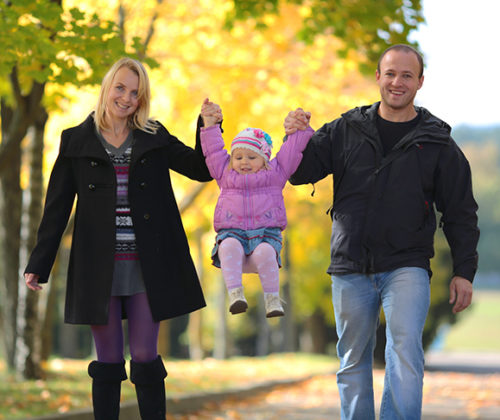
398 80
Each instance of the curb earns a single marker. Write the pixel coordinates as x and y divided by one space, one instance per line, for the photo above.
464 362
183 404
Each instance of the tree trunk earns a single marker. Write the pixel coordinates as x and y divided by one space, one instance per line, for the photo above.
195 318
46 328
29 339
52 292
318 332
289 328
10 215
220 342
262 342
15 122
164 339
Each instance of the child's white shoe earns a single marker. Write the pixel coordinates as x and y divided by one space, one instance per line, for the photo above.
237 301
273 305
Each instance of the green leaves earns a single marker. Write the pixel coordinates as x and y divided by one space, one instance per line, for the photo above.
365 26
46 44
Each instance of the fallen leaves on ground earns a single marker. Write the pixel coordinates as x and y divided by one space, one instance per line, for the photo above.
449 393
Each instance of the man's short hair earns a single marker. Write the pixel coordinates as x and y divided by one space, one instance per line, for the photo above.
405 48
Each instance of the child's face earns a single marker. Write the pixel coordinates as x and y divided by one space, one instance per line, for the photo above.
245 161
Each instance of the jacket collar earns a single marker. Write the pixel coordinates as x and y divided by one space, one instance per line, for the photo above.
433 127
85 143
145 142
429 128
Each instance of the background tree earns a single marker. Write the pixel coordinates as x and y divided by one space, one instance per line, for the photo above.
482 148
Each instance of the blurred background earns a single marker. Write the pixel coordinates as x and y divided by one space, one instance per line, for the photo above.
258 60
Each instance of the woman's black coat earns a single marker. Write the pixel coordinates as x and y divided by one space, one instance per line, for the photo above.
84 169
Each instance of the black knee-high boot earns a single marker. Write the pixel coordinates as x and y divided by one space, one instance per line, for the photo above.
148 378
106 387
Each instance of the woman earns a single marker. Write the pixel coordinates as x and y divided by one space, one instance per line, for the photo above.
129 255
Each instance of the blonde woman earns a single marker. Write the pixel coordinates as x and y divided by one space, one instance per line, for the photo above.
129 256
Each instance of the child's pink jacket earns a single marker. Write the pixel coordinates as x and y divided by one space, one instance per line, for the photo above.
251 201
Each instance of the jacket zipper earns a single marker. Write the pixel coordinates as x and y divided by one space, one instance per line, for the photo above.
368 260
246 205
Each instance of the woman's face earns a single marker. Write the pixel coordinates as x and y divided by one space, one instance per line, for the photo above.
122 99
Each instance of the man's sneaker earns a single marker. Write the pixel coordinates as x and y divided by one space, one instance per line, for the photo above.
237 301
273 305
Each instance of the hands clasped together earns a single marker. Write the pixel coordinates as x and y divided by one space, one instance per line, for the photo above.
211 113
295 120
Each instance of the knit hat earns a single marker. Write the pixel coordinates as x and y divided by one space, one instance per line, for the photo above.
254 139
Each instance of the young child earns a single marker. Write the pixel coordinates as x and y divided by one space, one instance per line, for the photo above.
250 212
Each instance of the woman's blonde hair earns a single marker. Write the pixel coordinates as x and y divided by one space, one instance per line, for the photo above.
140 118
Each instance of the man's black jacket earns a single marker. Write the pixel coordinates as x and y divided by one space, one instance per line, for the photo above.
383 206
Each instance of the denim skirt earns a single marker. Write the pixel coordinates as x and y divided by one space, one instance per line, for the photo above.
249 239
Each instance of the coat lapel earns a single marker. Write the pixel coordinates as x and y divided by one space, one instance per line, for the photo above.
145 142
84 142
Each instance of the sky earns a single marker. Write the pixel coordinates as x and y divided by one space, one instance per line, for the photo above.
461 45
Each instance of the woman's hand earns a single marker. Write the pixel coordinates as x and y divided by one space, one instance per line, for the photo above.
211 113
31 280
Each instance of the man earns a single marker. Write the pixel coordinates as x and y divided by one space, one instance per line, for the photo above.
392 162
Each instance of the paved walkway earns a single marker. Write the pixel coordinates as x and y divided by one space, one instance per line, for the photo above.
457 386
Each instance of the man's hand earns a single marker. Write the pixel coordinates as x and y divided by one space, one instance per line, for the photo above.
211 113
460 293
32 281
296 120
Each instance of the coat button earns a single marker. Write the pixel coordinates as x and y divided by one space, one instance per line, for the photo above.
147 216
91 187
143 161
93 164
143 185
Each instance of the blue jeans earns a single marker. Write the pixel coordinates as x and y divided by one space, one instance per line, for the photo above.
404 294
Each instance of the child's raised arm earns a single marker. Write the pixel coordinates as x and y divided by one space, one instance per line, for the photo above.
211 113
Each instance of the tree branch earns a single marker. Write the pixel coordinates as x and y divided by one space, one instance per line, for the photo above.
151 27
191 197
122 14
151 31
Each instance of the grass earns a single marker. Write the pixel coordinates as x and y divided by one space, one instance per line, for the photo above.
478 328
67 386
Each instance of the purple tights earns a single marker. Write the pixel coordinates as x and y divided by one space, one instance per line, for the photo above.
142 331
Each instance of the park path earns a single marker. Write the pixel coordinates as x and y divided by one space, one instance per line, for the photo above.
459 387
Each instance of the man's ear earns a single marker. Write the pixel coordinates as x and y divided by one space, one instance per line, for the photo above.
420 82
